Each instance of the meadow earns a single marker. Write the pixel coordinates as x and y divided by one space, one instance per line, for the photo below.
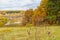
45 14
30 33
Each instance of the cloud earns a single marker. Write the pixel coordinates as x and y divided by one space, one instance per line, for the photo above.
18 4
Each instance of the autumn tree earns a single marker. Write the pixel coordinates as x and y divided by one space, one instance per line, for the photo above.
40 13
28 17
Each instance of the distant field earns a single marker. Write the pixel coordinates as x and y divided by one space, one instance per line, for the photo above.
30 33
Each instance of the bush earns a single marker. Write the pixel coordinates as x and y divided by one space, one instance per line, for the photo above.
3 21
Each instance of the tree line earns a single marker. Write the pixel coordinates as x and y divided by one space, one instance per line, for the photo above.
47 13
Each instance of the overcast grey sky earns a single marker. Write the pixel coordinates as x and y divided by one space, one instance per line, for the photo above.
18 4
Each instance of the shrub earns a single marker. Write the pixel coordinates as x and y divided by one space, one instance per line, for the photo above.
3 21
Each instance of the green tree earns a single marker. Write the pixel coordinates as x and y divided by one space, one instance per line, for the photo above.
53 8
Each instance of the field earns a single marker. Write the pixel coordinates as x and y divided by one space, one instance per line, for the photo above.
30 33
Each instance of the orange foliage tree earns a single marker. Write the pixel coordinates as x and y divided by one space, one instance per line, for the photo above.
28 17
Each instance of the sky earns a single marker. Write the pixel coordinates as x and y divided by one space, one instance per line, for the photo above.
18 4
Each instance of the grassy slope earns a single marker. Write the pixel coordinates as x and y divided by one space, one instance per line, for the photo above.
30 33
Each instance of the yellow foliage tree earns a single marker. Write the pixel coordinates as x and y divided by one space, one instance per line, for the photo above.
40 13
